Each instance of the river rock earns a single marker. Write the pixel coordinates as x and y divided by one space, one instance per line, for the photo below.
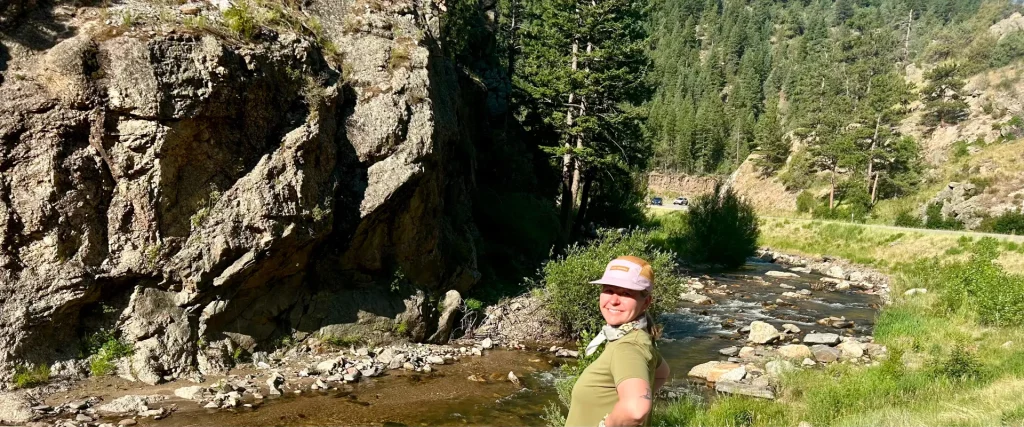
129 404
804 270
791 328
712 369
843 286
127 422
762 333
435 360
327 367
777 368
794 351
829 339
876 350
723 368
747 353
14 408
83 418
808 362
824 353
915 291
274 383
729 351
732 387
836 271
785 286
736 374
794 295
190 393
775 273
850 350
855 276
487 343
696 299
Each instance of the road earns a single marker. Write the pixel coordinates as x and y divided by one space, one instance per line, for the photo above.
974 234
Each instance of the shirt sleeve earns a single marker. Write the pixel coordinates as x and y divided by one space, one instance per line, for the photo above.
631 361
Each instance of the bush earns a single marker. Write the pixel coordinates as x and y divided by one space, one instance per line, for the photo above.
723 229
907 219
959 366
805 202
573 300
103 362
25 377
671 232
980 286
1009 222
933 218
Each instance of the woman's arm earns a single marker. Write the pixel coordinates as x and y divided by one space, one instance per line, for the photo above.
661 376
635 402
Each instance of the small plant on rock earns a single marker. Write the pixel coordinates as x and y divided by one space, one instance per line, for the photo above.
31 376
104 361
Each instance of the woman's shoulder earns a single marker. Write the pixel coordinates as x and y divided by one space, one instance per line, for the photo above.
638 337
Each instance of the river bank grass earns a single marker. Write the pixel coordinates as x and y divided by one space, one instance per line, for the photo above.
956 352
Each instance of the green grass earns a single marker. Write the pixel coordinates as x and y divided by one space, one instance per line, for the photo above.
956 354
346 341
728 411
26 376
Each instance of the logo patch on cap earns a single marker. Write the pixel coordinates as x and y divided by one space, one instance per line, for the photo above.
619 268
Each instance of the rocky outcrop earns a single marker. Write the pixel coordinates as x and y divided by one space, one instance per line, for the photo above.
204 197
958 202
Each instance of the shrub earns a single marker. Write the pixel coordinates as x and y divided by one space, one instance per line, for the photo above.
933 218
907 219
573 300
1009 222
805 202
723 229
25 377
241 19
980 286
960 366
103 361
671 232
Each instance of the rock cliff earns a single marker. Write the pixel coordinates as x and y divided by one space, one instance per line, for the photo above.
200 195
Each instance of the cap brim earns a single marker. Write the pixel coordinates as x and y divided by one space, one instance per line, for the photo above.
626 284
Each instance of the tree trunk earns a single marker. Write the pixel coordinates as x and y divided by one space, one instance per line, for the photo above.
581 214
874 189
569 179
832 191
579 138
906 40
874 143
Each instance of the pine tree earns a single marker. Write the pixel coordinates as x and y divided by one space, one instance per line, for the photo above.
772 144
943 99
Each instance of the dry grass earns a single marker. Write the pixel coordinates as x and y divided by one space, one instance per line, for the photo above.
878 247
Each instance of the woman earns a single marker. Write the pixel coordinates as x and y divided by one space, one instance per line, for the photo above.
618 388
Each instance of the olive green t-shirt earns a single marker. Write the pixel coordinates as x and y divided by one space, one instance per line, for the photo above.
594 395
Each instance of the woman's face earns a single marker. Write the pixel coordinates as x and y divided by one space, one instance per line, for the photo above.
621 305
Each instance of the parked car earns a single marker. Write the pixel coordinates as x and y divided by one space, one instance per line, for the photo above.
656 201
681 201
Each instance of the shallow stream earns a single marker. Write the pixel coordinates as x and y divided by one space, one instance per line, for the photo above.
693 334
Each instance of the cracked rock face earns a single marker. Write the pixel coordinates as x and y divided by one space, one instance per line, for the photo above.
201 197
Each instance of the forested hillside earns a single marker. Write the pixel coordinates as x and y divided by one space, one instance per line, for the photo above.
821 83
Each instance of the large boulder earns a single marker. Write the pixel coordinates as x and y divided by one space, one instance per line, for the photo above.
762 333
14 409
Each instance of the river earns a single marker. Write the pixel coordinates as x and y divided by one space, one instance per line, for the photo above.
693 334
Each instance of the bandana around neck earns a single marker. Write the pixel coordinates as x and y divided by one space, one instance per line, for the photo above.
611 333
